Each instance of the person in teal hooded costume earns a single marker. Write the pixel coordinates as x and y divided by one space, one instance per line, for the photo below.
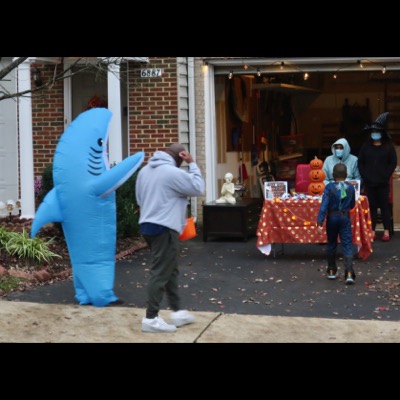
341 154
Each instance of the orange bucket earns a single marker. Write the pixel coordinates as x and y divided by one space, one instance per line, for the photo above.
189 231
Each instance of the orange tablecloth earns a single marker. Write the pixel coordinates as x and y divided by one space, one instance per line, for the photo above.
295 221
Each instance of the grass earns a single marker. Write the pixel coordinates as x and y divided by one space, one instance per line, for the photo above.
9 283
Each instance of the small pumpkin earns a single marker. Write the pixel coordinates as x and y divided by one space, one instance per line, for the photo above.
316 163
316 188
316 175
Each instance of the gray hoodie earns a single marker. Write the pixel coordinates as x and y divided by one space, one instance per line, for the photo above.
350 160
162 191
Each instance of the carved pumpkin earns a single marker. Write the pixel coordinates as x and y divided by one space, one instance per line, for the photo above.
316 175
316 188
316 163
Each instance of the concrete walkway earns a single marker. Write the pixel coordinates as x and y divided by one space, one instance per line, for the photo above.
24 322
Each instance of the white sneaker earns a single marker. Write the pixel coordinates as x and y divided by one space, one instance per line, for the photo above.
156 324
182 317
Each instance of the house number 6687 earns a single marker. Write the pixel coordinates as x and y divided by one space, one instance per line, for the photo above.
150 73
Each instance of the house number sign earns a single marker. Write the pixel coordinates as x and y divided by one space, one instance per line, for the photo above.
150 73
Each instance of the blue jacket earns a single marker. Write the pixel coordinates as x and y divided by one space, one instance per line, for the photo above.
332 201
350 160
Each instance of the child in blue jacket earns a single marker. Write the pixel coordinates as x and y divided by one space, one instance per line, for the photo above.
337 201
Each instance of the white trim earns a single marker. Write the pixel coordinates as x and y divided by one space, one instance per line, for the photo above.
114 105
210 133
26 142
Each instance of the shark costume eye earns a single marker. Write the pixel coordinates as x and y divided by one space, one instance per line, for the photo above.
100 142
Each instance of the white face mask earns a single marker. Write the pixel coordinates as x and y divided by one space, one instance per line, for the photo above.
376 136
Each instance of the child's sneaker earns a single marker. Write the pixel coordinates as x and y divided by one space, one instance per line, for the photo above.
349 279
332 274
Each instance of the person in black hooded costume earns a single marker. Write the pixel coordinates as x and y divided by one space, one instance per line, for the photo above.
377 161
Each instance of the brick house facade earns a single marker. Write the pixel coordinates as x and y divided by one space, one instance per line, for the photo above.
153 112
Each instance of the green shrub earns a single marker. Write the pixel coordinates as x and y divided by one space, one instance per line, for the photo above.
47 185
34 251
47 182
127 209
10 282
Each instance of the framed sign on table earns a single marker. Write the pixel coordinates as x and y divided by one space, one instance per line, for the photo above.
275 189
357 186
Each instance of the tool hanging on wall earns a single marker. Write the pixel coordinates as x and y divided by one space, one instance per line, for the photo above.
264 168
242 168
254 149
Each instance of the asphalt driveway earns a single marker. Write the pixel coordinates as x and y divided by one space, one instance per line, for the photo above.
233 276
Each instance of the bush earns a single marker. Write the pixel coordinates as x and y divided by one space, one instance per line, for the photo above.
47 185
35 251
127 209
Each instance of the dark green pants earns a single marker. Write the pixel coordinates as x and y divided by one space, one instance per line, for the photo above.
164 272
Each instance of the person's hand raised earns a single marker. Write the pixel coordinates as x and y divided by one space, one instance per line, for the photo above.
186 156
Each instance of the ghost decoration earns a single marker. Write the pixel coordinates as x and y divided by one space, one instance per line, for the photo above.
83 201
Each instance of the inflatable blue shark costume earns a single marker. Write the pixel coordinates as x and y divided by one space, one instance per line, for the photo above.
83 201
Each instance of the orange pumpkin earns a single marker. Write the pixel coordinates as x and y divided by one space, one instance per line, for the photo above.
316 188
316 163
316 175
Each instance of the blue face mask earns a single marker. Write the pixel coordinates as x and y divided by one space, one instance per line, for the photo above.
339 152
376 136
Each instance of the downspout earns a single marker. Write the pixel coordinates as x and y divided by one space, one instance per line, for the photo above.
192 124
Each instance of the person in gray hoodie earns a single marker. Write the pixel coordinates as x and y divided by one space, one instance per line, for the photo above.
162 191
341 154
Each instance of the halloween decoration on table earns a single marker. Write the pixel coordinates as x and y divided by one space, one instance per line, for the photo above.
227 190
83 201
316 176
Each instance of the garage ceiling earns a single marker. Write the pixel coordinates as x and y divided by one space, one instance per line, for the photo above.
265 65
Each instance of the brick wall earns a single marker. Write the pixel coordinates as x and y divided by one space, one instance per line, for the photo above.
153 107
152 103
47 120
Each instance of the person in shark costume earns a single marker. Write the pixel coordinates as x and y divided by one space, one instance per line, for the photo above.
83 201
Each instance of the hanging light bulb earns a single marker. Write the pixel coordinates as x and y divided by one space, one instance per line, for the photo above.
282 65
230 74
384 70
258 72
360 64
334 76
306 76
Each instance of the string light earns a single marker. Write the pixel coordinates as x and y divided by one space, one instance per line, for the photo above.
230 74
258 72
384 69
360 64
306 76
282 65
